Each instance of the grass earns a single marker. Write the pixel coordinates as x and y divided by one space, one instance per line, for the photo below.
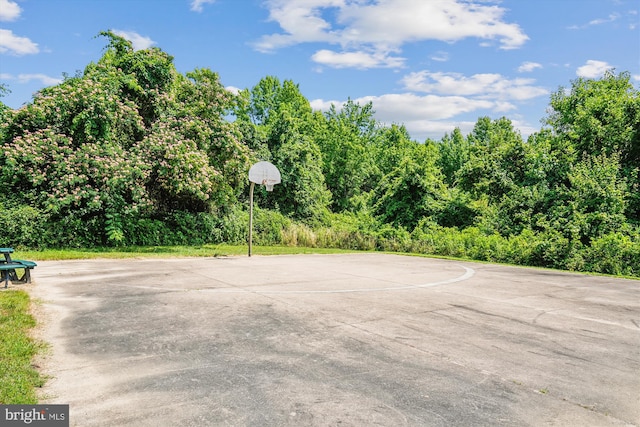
18 378
167 252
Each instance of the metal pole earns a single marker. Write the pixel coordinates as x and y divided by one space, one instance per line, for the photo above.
251 215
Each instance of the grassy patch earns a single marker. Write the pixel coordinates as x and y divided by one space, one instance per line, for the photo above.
168 252
18 378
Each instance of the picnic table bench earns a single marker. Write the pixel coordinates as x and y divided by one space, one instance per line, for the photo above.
9 268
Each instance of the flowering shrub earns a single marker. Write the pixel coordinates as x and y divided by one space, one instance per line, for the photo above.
129 139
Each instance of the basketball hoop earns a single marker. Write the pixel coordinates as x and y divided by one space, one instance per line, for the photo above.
268 184
262 173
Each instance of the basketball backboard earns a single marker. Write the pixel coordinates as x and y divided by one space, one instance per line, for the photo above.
264 173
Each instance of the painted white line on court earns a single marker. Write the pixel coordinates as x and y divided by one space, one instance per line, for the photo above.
469 272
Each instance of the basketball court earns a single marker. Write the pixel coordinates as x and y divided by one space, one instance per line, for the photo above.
327 340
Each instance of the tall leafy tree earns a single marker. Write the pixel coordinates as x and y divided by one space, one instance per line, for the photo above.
280 119
348 152
496 159
414 189
454 153
391 145
262 106
128 138
5 112
602 116
202 105
146 73
599 116
596 197
66 152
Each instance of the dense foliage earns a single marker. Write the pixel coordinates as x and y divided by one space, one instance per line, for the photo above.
131 152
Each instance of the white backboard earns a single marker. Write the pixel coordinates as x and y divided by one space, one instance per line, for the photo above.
264 173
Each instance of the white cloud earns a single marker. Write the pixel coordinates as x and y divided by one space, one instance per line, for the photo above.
423 116
390 107
629 18
440 56
484 86
381 28
436 103
27 78
9 10
356 59
408 107
593 69
446 20
16 45
42 78
423 129
636 77
612 17
527 67
599 21
139 42
301 22
632 18
196 5
427 116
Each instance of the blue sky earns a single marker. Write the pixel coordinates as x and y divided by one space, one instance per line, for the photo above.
431 65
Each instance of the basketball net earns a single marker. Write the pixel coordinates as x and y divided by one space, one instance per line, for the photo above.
268 184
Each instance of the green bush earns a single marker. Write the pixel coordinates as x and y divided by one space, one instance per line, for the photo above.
614 253
22 226
554 250
233 226
78 232
482 247
520 248
393 239
269 226
299 235
188 228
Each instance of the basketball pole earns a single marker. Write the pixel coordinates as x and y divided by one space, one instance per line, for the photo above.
251 215
261 173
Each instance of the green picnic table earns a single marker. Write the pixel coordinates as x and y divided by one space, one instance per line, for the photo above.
9 268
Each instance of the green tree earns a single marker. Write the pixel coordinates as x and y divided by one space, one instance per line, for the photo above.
454 153
146 73
262 106
202 105
348 154
599 116
414 189
496 162
66 153
129 138
593 204
602 116
280 119
4 111
391 145
302 194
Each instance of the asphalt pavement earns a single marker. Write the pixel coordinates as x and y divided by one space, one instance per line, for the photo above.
336 340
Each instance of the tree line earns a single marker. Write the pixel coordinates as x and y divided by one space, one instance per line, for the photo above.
131 152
